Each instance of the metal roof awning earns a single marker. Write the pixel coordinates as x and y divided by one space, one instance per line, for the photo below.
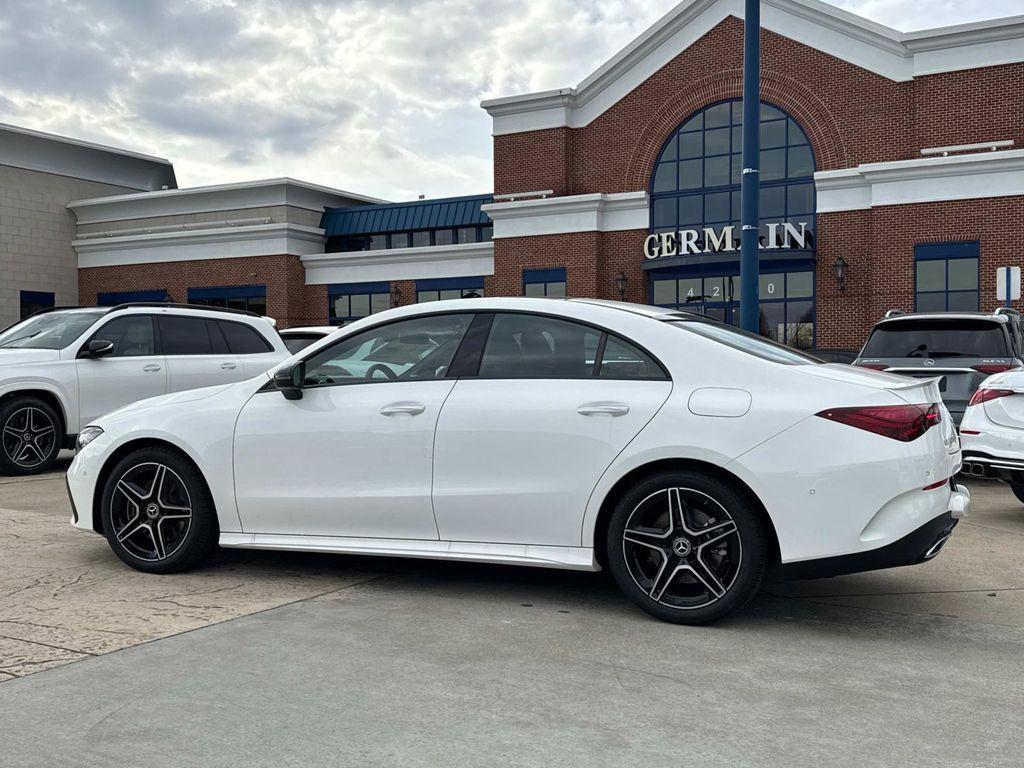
444 213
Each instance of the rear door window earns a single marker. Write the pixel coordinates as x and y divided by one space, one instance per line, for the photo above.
937 339
185 336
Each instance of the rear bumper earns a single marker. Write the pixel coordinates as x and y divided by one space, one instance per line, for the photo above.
977 464
918 546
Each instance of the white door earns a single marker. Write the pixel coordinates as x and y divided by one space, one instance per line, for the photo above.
353 456
197 353
133 371
519 448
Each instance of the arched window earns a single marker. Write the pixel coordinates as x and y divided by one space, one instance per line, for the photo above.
695 187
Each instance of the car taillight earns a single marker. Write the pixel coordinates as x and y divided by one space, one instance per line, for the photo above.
872 366
899 422
989 369
984 395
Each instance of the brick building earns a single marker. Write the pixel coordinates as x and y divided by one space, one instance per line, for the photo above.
892 155
39 174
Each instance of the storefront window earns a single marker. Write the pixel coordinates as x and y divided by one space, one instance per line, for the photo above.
348 302
946 277
34 301
544 282
248 298
449 288
786 301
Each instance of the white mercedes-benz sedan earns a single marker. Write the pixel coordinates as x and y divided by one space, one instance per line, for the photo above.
682 454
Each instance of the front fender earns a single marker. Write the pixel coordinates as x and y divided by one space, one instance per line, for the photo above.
60 391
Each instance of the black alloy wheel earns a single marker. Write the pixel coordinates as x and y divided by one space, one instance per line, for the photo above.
687 548
157 512
30 436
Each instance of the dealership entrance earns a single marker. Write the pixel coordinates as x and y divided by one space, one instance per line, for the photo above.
692 251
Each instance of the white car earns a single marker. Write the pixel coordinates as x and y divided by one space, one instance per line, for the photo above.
64 368
992 431
299 337
684 455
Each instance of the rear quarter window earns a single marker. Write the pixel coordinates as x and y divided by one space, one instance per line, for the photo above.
937 339
243 340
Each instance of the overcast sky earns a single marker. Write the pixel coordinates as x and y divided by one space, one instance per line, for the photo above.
373 96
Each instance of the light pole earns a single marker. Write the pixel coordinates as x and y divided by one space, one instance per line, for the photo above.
749 182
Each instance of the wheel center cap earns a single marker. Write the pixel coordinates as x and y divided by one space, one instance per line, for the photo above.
152 510
27 437
682 547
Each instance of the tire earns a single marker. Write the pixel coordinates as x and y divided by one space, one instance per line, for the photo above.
701 568
157 512
31 436
1018 491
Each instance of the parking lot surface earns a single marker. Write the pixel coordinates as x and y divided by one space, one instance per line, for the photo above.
272 659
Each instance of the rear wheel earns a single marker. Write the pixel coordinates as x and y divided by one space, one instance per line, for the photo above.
157 512
30 436
686 548
1018 489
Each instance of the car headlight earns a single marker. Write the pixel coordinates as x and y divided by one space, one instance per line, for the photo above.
87 435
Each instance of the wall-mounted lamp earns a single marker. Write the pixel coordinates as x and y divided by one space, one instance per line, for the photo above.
839 268
396 295
621 281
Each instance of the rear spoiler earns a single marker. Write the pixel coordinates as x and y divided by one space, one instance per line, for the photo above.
911 383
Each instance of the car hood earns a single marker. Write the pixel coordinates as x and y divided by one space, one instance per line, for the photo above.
22 356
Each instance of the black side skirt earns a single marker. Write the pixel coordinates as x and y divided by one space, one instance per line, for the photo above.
916 547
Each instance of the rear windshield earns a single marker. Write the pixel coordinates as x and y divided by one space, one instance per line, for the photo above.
937 339
746 342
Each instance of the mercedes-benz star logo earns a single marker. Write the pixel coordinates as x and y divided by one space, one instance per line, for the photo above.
681 547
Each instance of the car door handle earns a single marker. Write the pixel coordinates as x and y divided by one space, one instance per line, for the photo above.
603 409
229 366
403 409
151 368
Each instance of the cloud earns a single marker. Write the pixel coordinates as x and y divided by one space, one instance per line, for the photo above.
375 96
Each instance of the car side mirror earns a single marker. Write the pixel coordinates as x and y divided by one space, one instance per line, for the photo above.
290 380
98 348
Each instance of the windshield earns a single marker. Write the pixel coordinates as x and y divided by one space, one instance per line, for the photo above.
937 339
52 330
747 342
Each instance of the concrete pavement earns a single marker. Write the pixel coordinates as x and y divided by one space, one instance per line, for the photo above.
371 662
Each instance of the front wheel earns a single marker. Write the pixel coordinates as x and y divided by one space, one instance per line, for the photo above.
157 512
30 436
687 548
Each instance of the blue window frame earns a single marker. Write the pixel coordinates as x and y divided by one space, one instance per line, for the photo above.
347 302
544 282
449 288
696 181
250 298
113 298
946 276
33 301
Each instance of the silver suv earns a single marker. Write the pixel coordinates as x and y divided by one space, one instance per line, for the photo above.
963 348
62 368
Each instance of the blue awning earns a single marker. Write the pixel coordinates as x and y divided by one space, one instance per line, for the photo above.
444 213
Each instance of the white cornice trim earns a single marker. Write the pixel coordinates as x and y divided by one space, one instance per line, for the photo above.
461 260
874 47
62 156
921 180
596 212
210 199
194 245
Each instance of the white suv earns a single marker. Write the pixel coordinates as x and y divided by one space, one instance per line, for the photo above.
62 368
